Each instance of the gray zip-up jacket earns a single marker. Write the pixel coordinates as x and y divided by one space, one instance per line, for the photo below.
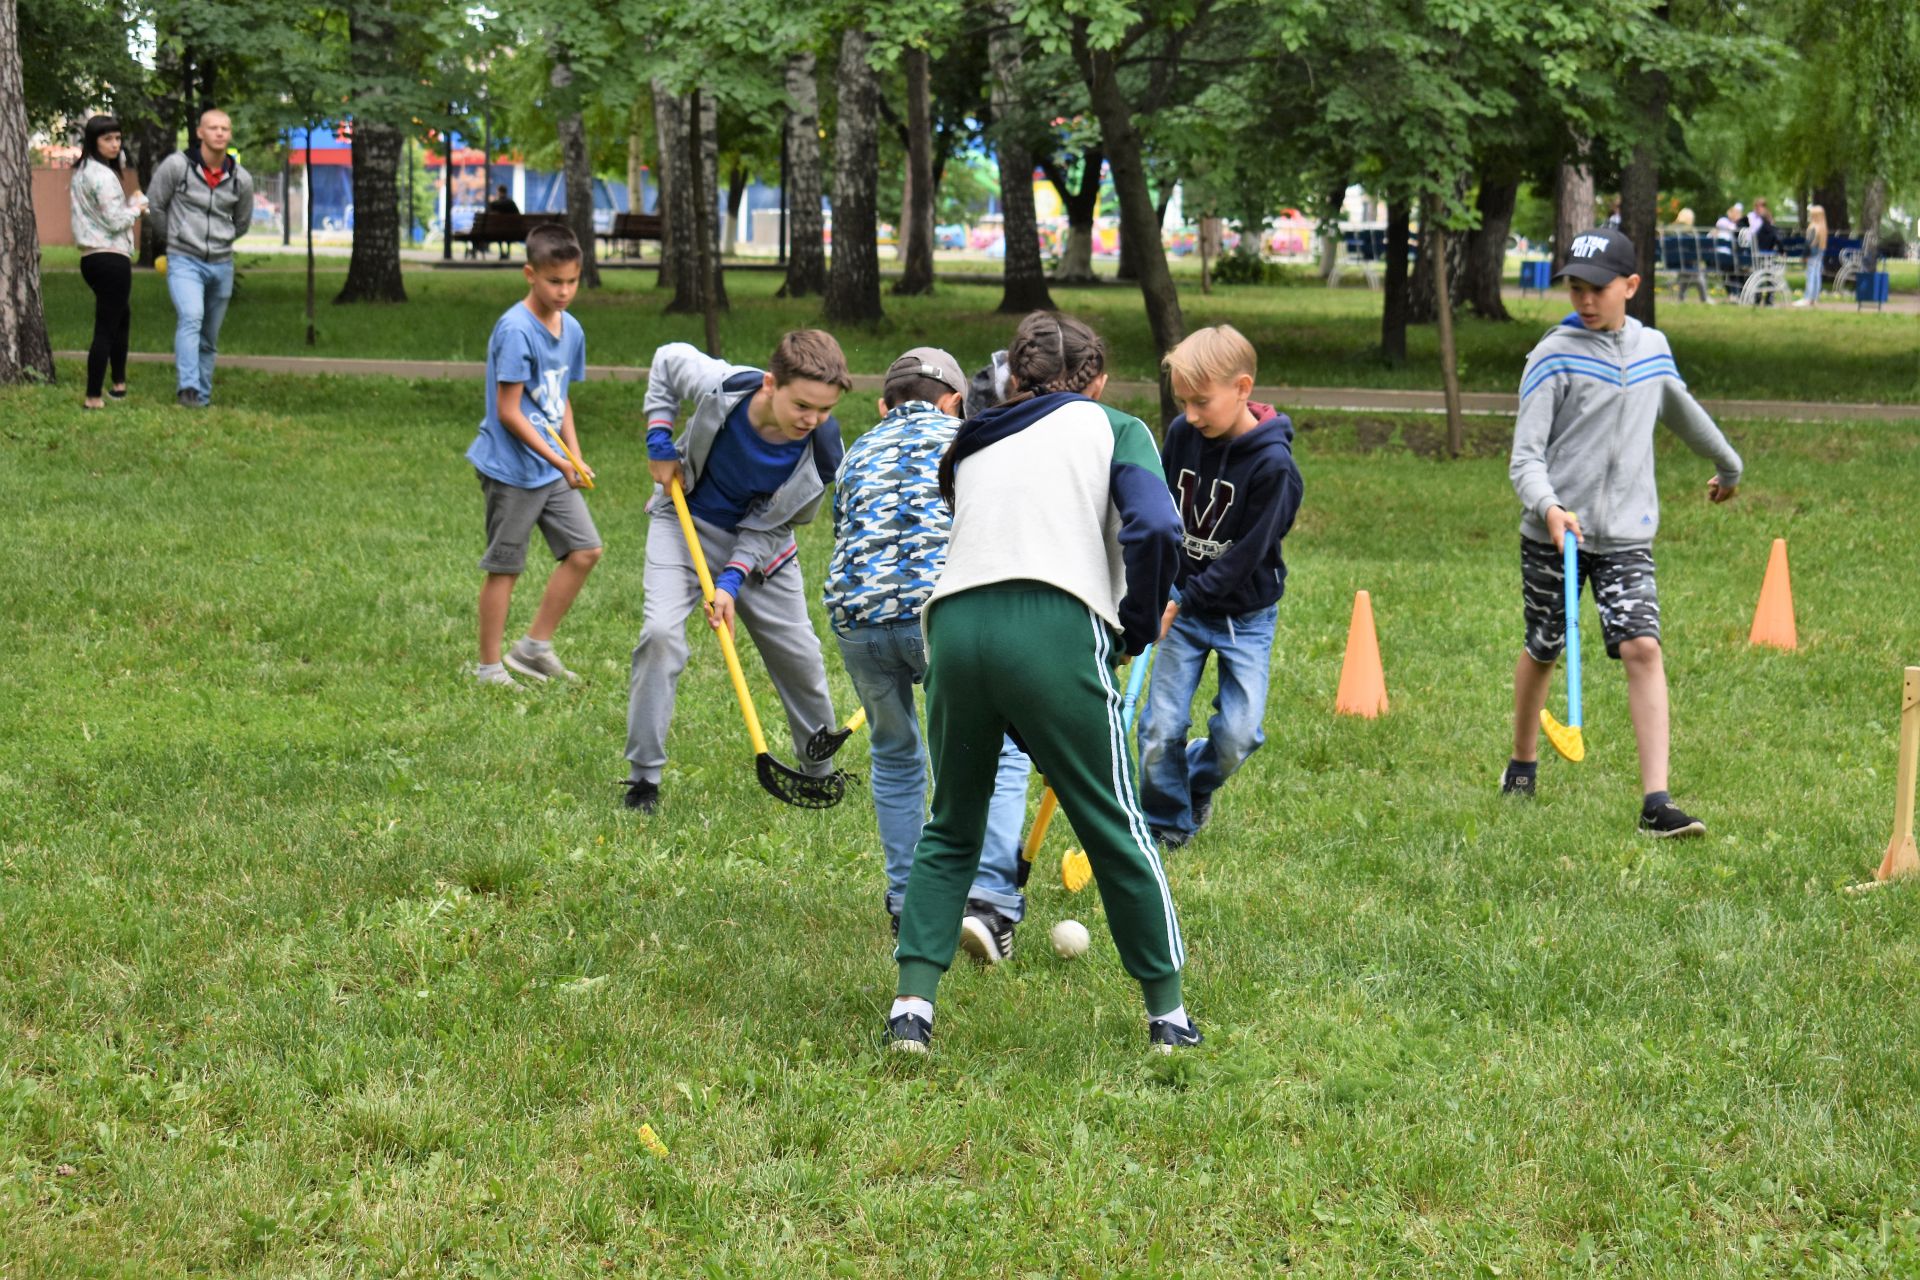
1583 440
198 220
682 372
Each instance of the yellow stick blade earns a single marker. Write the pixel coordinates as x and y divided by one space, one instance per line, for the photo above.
1565 738
1076 871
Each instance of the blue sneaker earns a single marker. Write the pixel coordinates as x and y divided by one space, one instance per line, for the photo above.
1165 1035
909 1033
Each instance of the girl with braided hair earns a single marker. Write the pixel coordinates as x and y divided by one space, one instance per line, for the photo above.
1063 549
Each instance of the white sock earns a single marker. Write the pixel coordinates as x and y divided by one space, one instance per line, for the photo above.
486 669
913 1005
537 647
1177 1016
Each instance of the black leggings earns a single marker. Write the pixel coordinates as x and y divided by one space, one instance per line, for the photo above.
110 276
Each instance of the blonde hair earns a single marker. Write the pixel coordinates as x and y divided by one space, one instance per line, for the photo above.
811 354
1207 356
1816 227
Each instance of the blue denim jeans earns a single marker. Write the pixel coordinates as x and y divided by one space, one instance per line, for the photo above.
885 663
1175 773
1815 265
200 292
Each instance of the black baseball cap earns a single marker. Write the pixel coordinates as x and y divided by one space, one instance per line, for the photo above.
1600 256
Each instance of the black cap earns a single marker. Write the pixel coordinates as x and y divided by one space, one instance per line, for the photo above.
1600 256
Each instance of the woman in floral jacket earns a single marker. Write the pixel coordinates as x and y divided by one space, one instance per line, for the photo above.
103 218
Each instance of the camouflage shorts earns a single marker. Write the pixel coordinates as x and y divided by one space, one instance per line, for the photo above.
1623 592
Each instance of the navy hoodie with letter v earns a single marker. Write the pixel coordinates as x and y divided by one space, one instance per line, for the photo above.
1237 500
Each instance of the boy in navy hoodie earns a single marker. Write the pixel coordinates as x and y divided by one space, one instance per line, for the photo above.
1582 463
1229 462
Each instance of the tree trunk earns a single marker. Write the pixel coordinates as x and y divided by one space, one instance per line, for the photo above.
1139 222
1572 205
373 273
1831 194
1640 191
679 269
916 243
1423 296
1329 259
1487 250
1024 282
1212 240
853 276
806 246
737 180
25 353
1434 233
576 159
1393 312
708 198
671 148
636 163
1872 209
705 267
1081 204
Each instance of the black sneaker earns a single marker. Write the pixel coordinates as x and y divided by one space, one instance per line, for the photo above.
641 795
1165 1035
893 919
1666 821
1169 839
986 934
1202 810
1515 783
188 398
909 1033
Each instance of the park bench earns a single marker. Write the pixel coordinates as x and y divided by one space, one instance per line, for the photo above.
493 228
629 229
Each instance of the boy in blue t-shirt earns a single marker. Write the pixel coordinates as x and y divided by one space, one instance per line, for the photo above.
528 460
755 459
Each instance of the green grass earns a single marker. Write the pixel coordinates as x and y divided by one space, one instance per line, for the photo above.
321 962
1307 335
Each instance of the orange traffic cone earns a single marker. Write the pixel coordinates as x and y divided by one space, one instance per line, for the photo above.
1773 620
1363 685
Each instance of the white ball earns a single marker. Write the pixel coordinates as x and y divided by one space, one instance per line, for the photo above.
1070 939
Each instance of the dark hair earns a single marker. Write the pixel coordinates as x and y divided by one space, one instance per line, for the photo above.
812 354
551 243
1054 352
901 390
97 128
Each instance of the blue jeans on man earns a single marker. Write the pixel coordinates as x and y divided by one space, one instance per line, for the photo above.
885 663
200 291
1178 776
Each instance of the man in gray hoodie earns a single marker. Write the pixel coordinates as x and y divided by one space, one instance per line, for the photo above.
201 202
1583 466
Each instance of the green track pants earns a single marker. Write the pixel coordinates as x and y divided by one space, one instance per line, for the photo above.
1032 657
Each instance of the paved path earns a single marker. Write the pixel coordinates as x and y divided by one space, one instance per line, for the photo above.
1497 403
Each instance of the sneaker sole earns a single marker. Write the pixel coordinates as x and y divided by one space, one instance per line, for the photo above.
977 941
908 1046
515 664
1691 829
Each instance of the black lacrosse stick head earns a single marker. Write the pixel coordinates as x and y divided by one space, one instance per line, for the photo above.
801 790
826 742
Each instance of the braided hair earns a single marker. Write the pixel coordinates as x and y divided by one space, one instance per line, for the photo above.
1054 352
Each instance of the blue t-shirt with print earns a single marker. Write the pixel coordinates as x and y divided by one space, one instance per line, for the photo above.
742 468
522 350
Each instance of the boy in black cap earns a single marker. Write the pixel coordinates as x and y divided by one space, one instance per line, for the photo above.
1593 388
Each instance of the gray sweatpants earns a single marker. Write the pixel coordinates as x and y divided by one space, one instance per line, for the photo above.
774 612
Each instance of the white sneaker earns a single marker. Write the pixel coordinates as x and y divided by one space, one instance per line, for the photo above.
1800 302
538 667
499 678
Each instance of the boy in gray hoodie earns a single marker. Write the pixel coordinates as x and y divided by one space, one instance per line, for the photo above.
1583 465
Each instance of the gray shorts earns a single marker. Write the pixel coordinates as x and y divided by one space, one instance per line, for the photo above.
1623 592
512 513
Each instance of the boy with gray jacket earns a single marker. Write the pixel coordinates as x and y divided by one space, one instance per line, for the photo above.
755 459
1583 466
